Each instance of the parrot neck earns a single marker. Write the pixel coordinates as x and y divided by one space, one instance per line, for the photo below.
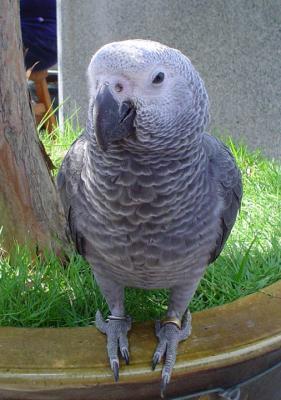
140 171
140 145
144 173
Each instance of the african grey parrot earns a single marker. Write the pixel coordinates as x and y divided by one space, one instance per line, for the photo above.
150 197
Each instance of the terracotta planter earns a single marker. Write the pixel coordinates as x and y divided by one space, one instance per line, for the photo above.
228 345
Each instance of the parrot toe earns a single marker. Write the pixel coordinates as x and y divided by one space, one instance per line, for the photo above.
169 335
116 329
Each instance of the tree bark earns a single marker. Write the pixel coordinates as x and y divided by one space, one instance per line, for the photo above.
30 210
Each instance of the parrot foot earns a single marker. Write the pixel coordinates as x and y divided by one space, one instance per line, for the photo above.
116 329
169 335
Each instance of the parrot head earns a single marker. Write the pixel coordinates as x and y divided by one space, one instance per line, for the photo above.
145 95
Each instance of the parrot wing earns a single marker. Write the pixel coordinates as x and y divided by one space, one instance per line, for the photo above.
227 178
68 180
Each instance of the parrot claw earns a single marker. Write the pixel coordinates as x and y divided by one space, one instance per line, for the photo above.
116 329
164 382
125 355
169 336
115 369
155 360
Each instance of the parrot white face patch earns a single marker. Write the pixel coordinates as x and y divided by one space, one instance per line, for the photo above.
160 82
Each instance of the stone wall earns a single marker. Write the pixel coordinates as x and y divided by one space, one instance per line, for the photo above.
235 45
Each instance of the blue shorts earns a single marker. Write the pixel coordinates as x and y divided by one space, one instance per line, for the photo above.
39 33
40 43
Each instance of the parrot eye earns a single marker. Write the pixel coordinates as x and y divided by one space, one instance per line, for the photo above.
118 87
159 78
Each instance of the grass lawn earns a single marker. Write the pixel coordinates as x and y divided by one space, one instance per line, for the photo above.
42 293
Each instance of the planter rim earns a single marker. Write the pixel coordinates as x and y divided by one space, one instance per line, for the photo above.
245 330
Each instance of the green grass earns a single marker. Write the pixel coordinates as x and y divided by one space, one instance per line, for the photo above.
37 292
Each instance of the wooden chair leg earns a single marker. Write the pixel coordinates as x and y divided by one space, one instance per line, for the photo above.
44 98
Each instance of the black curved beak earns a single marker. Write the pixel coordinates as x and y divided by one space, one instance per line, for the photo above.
112 121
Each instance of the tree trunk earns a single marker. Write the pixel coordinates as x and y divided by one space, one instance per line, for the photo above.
30 210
